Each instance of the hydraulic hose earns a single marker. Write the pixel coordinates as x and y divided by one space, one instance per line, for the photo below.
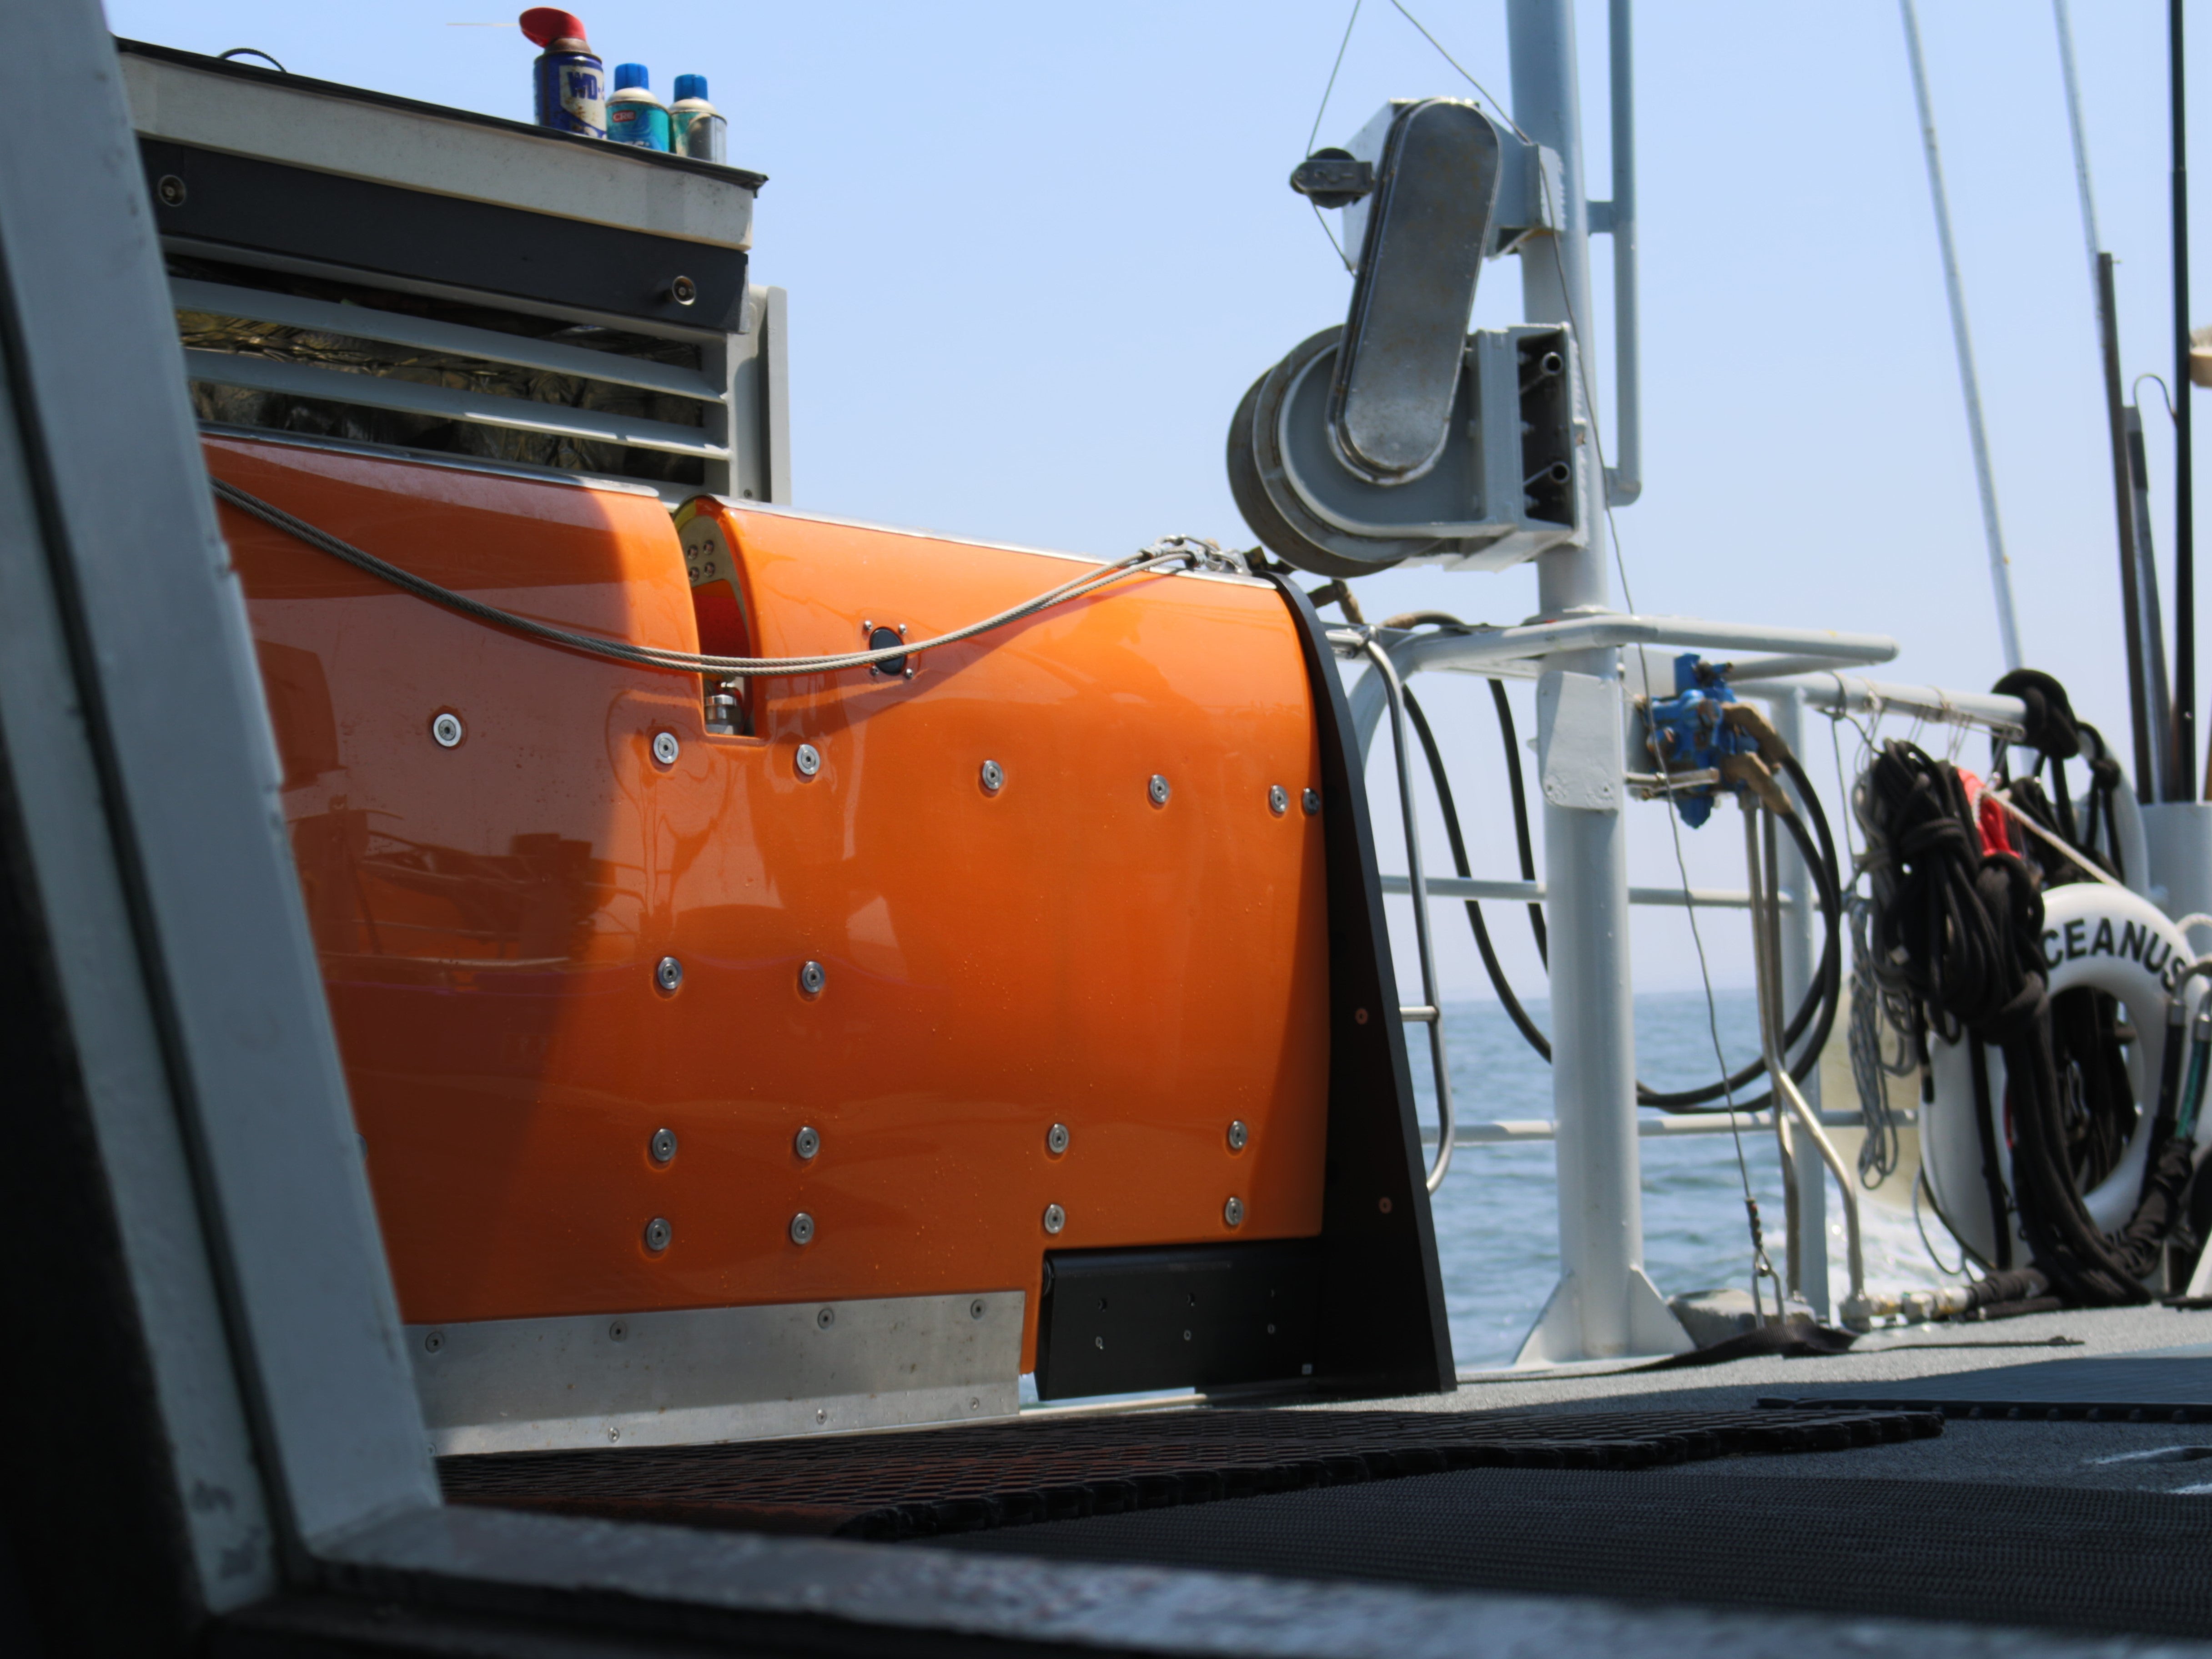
1817 1009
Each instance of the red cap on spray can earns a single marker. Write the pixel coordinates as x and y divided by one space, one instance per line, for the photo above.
548 26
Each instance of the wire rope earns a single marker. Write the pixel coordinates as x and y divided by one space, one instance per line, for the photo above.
1341 46
1158 556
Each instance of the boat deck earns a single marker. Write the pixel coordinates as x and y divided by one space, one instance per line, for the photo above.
2089 1523
2051 1474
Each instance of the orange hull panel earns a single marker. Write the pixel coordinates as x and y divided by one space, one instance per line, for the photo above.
1063 951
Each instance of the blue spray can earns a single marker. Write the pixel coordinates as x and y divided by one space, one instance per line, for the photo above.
571 82
696 126
635 116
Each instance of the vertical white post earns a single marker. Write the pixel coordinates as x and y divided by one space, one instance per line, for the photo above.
1603 1304
1800 956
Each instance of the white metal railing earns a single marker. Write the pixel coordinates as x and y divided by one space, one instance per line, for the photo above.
1665 1126
1484 649
1533 892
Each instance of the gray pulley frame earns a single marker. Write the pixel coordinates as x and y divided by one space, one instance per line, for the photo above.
1399 435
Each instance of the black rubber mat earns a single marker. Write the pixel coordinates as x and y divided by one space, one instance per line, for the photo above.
2163 1385
2087 1559
931 1483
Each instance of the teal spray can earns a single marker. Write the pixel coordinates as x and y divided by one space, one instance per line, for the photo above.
635 116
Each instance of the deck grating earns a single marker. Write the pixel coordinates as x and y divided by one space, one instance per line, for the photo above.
2173 1385
931 1483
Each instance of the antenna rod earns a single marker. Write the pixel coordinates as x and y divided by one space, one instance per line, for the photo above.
2146 645
2149 750
1625 479
2000 567
2058 13
2181 777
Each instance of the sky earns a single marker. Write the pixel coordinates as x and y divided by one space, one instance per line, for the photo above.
1036 253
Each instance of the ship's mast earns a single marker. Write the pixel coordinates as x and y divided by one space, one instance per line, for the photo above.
1603 1304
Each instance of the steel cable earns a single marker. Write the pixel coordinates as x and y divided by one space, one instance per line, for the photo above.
1158 556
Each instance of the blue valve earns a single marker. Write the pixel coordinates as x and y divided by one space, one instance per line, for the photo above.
1690 734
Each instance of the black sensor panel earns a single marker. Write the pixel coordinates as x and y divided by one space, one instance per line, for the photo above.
1197 1316
211 197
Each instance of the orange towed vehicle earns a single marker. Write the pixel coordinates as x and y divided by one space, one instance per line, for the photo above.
688 1028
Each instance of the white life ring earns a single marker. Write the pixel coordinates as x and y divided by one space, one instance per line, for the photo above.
2093 935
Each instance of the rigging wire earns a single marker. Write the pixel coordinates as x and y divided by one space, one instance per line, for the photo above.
1587 367
1494 102
1761 1263
1341 46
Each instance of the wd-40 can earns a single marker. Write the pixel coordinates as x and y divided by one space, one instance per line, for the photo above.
571 81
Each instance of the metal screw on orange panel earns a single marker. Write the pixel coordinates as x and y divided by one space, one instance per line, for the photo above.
813 976
1054 1218
445 731
668 974
1233 1213
802 1229
807 1141
662 1146
618 1331
1055 1140
1279 799
995 777
824 1318
657 1235
1158 790
808 760
1238 1134
665 748
1312 802
977 1309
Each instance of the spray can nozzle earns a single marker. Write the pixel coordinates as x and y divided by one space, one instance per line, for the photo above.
548 26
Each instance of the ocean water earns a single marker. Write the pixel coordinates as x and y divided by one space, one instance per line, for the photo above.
1498 1217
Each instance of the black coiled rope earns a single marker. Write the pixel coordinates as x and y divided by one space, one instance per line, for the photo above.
1961 930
